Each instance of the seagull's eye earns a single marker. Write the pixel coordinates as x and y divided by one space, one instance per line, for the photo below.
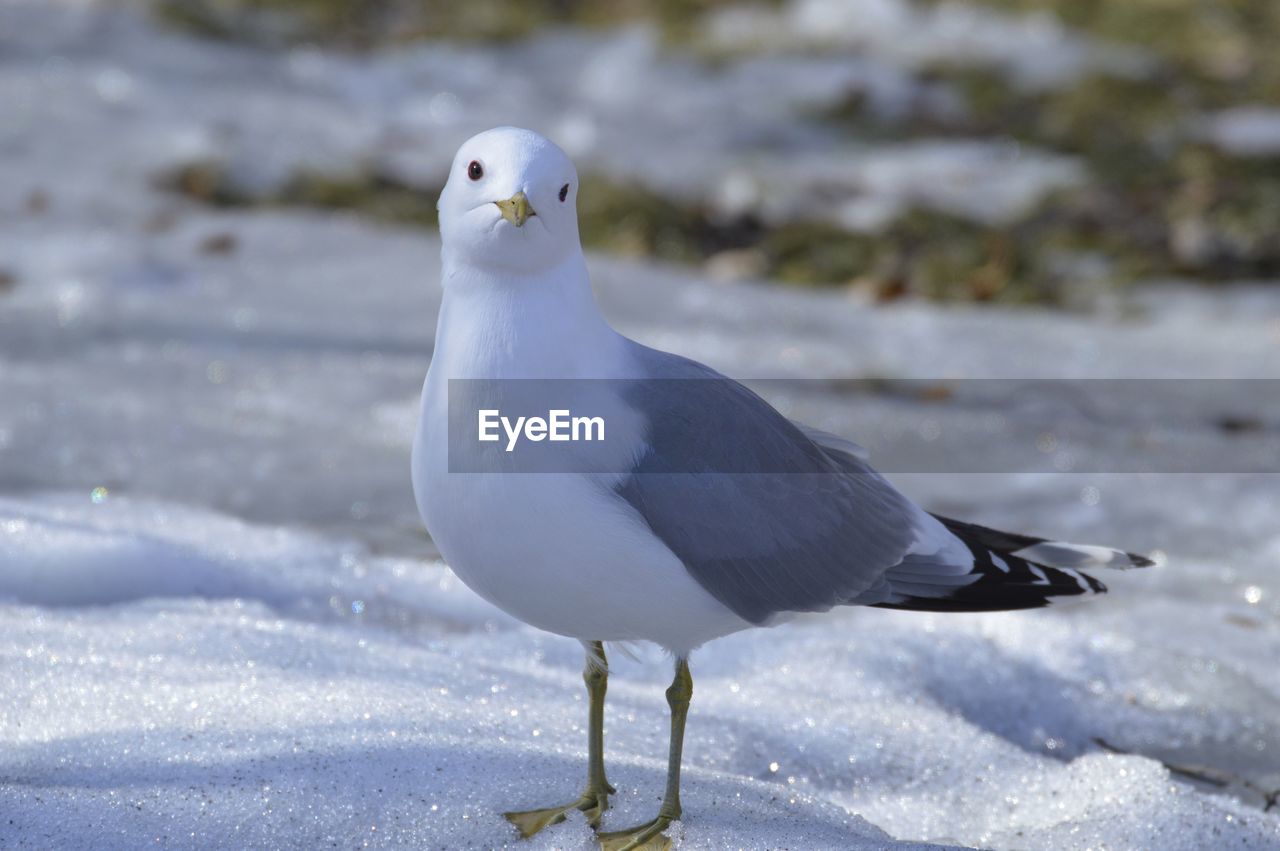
475 171
564 192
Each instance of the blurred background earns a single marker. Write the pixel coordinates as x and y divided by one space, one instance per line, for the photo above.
219 272
1007 150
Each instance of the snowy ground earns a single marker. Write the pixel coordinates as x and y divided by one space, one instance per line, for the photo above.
221 624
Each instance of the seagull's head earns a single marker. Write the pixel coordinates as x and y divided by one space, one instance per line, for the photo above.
509 203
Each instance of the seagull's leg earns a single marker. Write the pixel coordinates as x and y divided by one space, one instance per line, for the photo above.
594 799
648 836
596 676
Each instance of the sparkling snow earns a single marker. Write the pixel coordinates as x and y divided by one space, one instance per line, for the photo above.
221 623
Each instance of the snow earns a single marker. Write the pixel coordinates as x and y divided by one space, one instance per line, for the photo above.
1247 131
166 101
196 719
1035 51
62 552
245 701
222 625
979 180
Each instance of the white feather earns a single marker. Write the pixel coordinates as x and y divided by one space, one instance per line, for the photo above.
1064 555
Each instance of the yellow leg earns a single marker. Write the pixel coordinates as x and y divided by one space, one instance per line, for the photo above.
649 836
594 799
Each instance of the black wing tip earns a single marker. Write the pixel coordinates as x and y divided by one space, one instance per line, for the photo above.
1140 560
929 604
994 593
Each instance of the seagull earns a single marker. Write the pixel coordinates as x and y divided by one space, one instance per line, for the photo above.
680 543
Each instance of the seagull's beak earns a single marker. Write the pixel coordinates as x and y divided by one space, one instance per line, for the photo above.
516 209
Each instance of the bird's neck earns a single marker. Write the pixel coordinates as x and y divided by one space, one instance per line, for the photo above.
544 325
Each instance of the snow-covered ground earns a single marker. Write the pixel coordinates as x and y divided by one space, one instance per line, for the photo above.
222 625
403 113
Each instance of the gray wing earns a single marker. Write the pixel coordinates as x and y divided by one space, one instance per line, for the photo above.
764 518
833 443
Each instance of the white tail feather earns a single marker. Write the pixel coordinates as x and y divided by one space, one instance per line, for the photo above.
1074 556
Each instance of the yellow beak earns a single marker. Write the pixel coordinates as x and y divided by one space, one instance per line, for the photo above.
516 209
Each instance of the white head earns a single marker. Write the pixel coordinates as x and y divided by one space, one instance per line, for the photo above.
509 203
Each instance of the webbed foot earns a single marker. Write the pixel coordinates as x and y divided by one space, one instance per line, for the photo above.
592 803
642 837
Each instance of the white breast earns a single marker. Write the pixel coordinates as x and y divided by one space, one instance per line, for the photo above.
560 551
